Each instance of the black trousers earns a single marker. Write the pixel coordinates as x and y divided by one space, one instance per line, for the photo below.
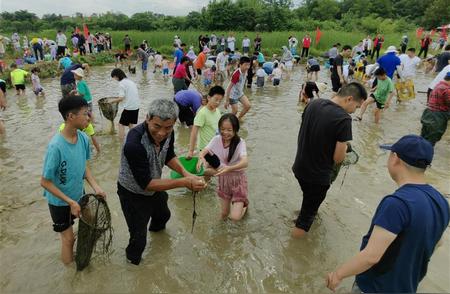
377 51
138 210
305 51
313 196
423 50
61 51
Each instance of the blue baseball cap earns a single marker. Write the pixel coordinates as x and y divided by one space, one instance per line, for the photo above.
412 149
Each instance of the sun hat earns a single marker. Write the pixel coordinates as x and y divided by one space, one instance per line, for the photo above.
412 149
391 49
79 72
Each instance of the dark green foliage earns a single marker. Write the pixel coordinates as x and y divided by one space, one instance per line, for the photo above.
251 15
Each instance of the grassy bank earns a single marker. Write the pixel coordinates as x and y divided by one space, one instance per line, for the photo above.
50 69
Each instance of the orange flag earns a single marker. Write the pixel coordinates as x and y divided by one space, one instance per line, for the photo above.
318 35
419 33
85 30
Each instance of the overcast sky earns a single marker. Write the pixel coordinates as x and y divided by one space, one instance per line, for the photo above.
69 7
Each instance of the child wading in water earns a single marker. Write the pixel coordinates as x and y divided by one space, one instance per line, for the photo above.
226 157
37 88
65 168
235 89
382 95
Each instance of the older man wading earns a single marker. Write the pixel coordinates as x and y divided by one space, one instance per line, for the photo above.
148 147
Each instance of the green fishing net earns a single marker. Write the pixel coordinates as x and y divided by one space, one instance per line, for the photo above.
351 158
94 229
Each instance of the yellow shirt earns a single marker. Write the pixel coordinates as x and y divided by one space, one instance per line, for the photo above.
89 130
18 76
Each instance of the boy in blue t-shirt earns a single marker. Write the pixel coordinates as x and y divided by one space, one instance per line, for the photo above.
407 227
65 168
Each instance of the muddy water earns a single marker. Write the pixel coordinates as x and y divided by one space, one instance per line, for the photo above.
256 255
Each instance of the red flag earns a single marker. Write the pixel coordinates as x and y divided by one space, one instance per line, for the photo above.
433 31
85 30
419 33
318 35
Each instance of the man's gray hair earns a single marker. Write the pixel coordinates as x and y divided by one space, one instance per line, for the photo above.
163 108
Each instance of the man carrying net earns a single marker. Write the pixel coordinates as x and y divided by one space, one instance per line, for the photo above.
148 147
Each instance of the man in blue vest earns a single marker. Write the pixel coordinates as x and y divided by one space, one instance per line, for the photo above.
408 225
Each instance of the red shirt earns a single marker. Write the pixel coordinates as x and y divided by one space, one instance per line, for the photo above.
180 72
306 42
440 98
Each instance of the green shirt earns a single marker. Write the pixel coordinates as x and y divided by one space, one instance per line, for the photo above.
207 121
18 76
83 89
384 88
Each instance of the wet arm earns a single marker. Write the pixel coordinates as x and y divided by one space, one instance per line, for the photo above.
90 179
376 247
243 163
339 152
193 139
49 186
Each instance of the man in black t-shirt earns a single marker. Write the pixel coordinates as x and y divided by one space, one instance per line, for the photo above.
337 72
322 142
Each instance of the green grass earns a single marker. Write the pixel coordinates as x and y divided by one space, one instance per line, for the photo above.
271 41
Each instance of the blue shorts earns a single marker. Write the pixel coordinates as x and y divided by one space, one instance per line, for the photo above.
144 65
165 71
207 82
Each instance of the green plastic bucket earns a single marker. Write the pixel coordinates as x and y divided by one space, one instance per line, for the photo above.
190 165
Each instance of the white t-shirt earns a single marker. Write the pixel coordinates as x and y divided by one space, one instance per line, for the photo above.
158 59
230 41
246 42
277 73
409 65
61 39
128 90
221 61
439 77
261 73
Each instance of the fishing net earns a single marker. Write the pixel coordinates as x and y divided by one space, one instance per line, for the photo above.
351 158
109 109
94 229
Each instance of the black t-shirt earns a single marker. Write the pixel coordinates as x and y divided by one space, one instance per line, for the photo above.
338 61
442 60
311 87
323 124
67 76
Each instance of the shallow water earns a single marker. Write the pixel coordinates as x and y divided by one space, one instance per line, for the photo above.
255 255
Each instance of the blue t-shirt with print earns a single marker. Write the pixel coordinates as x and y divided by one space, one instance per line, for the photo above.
65 166
418 215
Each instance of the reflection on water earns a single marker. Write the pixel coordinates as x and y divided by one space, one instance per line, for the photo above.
256 255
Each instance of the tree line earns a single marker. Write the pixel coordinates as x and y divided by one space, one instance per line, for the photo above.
369 16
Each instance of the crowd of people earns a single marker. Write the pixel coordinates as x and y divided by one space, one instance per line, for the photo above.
408 223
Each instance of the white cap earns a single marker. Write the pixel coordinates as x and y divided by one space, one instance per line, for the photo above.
79 72
391 49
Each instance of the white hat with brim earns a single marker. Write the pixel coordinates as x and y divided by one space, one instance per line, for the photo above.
79 72
391 49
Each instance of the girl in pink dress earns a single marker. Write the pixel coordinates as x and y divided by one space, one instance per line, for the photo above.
226 156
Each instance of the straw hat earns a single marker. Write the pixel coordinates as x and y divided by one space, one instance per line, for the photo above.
391 49
79 72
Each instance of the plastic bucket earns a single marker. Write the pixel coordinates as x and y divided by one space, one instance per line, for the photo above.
190 165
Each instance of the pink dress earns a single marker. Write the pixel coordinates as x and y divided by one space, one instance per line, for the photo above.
233 185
